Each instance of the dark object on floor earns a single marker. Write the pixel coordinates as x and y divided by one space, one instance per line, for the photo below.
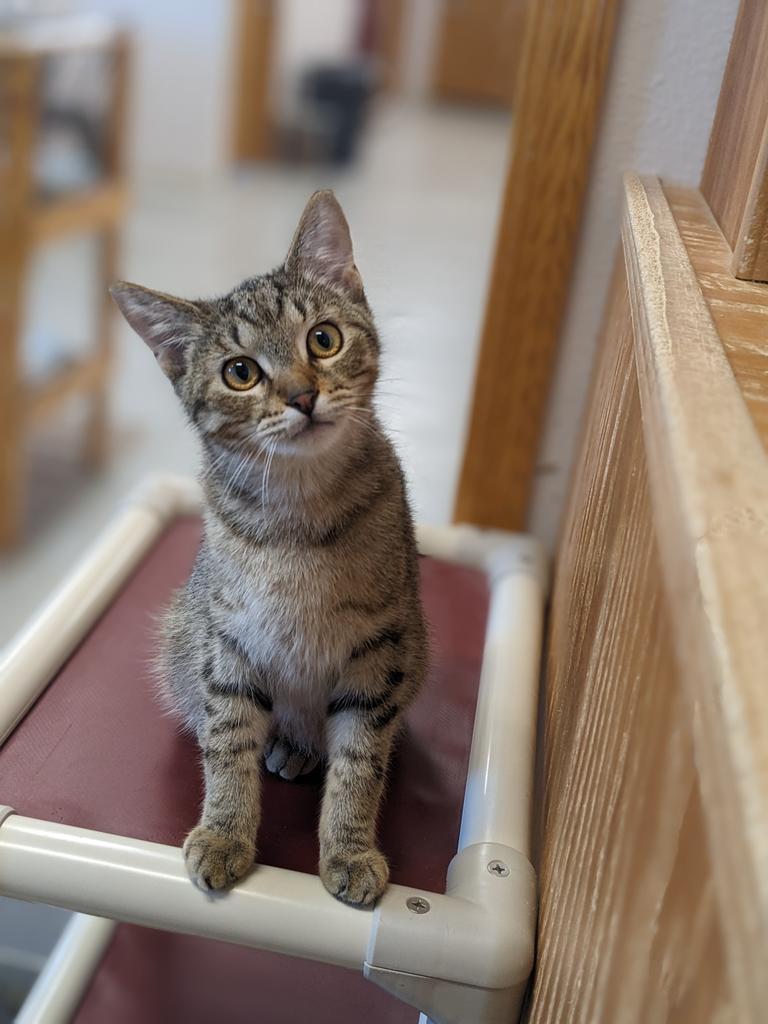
330 117
340 95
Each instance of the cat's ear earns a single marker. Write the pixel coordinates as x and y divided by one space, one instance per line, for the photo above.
322 246
166 324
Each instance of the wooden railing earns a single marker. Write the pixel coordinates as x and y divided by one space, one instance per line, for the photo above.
654 829
653 795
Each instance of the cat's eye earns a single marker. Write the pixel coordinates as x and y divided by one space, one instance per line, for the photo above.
324 341
241 374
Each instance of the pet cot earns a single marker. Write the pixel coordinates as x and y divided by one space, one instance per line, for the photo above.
98 789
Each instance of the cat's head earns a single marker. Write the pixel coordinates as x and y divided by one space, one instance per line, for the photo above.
286 361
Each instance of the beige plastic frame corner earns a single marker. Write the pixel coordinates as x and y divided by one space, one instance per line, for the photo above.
459 956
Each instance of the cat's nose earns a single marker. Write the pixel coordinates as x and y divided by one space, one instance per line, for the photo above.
304 401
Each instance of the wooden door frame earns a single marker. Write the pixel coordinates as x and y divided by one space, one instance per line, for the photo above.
555 125
254 32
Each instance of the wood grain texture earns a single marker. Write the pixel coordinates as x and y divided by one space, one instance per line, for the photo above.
390 18
738 308
709 474
253 49
97 433
735 177
91 209
560 85
478 50
19 90
628 926
654 820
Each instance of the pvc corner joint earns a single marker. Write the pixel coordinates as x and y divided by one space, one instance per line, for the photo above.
496 552
490 901
166 496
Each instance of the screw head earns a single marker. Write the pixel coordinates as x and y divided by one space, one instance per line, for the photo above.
417 905
498 868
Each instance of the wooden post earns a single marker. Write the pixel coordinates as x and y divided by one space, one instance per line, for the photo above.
390 18
560 86
254 41
478 51
97 427
19 111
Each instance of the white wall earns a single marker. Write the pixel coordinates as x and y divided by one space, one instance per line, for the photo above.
668 63
179 114
311 32
419 45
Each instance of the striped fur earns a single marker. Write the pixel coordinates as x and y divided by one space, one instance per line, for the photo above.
299 635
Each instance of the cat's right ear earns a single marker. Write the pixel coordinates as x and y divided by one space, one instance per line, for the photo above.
165 323
322 246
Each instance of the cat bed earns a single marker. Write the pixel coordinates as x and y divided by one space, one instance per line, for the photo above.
103 787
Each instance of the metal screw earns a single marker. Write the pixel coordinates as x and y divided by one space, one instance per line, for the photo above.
417 905
498 868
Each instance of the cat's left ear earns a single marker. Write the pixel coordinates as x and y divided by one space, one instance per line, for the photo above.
167 324
322 245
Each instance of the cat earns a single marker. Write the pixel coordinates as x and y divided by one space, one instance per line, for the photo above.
299 635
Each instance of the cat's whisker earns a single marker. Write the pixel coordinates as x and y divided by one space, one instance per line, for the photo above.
244 463
344 405
227 452
366 410
267 450
229 486
210 469
371 426
212 462
362 422
270 448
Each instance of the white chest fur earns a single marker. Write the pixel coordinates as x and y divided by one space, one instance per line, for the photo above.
282 612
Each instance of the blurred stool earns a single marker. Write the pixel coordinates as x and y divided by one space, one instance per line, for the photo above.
61 173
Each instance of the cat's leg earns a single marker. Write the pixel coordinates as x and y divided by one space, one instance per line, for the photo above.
363 719
351 866
222 848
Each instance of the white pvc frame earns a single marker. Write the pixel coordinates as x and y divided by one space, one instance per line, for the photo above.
465 957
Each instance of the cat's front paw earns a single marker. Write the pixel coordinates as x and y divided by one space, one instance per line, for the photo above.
359 878
215 861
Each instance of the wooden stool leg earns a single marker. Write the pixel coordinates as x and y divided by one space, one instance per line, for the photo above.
97 427
19 80
96 446
11 399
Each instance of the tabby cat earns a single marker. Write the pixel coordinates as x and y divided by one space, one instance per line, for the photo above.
299 635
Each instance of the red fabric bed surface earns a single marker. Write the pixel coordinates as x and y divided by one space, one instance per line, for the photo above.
152 977
95 751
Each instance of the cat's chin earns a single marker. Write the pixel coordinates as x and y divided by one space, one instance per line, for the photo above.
315 436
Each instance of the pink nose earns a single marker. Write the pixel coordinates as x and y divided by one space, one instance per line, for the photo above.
304 401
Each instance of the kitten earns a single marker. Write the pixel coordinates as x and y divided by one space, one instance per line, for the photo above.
299 634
